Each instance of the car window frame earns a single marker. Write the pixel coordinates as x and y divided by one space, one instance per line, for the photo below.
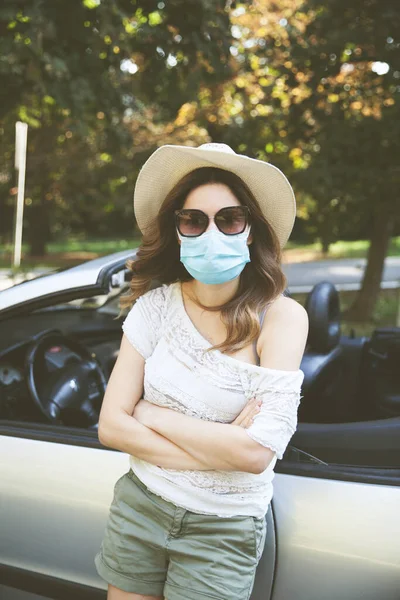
307 466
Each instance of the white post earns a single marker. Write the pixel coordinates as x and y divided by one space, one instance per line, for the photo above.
21 136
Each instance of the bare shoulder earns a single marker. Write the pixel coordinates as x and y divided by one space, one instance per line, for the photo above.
285 305
284 335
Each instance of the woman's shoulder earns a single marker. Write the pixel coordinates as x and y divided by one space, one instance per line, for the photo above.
284 333
284 309
146 319
157 300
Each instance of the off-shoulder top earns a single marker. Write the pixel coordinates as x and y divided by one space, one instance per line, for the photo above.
213 386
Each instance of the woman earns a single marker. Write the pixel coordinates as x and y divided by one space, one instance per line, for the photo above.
205 391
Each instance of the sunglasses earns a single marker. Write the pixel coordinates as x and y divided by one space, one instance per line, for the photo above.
231 220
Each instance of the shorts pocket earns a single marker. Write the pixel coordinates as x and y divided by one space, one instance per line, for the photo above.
260 533
119 482
117 487
132 549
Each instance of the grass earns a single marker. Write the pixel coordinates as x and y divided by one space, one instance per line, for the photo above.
67 253
341 249
99 246
73 251
385 313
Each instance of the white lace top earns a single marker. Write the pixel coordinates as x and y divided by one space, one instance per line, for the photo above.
211 386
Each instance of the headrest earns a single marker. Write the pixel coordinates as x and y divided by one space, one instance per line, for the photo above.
323 308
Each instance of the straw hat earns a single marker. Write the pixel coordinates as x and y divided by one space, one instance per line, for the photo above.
169 163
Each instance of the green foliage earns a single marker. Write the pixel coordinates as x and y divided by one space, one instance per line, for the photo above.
79 73
101 83
348 121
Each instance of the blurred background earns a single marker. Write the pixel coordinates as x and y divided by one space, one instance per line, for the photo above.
312 87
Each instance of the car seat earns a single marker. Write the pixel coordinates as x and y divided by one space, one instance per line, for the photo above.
324 398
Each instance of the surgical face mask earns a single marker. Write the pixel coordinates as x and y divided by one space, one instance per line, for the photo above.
214 257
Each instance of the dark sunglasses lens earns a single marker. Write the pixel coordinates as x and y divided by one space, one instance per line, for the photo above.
191 223
232 220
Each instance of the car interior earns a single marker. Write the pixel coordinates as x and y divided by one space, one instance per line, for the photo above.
55 362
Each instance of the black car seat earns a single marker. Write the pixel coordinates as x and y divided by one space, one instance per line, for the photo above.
381 368
323 364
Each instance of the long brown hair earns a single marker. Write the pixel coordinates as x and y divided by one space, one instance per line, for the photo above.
261 281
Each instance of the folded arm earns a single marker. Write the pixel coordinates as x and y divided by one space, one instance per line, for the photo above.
120 430
278 387
224 447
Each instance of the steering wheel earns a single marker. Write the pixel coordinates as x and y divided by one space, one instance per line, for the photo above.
64 377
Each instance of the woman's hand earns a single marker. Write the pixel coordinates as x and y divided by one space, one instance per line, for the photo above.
145 412
245 418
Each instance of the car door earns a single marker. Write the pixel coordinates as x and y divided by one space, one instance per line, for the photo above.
337 530
57 485
332 528
56 482
329 528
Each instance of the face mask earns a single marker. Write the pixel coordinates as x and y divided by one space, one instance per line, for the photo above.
214 257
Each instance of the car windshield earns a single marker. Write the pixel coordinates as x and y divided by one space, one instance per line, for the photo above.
104 302
9 280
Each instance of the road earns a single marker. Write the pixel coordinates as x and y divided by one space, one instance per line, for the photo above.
345 273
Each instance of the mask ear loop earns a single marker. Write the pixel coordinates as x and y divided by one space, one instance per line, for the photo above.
247 231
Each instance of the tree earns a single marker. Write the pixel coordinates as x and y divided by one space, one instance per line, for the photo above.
315 90
342 77
79 73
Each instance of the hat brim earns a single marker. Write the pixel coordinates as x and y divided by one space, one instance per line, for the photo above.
169 163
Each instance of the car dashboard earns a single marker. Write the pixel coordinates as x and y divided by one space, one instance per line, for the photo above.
99 331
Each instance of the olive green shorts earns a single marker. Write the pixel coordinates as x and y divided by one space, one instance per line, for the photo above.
152 547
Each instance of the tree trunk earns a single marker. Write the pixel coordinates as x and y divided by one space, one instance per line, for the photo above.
325 244
363 306
39 229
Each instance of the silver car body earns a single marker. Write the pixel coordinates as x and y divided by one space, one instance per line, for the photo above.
328 538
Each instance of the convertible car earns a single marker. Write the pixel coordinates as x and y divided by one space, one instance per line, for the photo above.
333 527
